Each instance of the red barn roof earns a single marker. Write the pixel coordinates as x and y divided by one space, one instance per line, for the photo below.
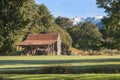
40 39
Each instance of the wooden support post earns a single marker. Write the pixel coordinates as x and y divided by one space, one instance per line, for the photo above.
33 50
54 49
48 49
51 49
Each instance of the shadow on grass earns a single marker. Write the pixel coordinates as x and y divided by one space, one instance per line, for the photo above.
13 62
78 69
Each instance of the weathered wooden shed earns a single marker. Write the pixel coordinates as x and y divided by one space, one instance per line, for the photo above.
45 43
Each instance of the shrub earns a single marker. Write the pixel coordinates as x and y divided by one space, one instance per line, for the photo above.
101 69
1 78
58 70
63 69
18 72
55 69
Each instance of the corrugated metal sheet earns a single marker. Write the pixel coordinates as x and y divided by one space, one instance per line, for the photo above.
40 39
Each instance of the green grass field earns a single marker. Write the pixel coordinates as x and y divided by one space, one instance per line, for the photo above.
62 77
18 63
29 62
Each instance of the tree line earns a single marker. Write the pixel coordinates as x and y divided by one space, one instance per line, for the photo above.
22 17
87 36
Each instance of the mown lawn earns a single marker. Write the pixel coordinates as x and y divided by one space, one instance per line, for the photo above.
8 63
26 63
61 77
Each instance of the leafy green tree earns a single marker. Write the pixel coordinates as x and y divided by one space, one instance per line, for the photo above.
46 17
19 18
63 22
42 19
44 23
111 31
13 19
86 36
66 38
48 25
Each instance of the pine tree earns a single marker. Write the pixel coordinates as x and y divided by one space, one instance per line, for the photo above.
111 31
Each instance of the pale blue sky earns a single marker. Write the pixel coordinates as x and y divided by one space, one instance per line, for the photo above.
72 8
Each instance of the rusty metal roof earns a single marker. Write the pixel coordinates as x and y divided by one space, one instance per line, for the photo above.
40 39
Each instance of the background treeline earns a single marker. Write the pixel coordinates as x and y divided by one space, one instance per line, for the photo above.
87 36
22 17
